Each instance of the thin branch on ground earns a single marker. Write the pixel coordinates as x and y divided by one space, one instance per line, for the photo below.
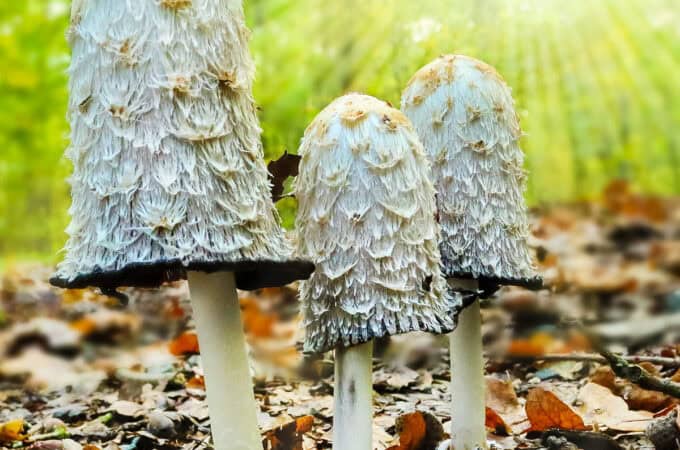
625 369
589 357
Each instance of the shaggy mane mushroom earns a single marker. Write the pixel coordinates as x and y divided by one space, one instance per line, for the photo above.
366 218
169 179
465 116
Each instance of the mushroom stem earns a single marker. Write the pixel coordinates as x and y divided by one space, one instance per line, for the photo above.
353 417
229 387
468 428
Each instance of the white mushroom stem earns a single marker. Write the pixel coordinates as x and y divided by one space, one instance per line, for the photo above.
231 402
353 416
468 406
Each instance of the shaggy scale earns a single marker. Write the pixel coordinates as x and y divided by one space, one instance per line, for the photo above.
464 114
168 172
366 218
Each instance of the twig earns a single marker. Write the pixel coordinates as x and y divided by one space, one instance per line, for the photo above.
627 370
638 375
589 357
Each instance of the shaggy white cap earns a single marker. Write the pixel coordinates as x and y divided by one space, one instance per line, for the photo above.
464 114
168 172
366 218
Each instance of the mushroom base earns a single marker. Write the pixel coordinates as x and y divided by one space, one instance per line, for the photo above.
250 274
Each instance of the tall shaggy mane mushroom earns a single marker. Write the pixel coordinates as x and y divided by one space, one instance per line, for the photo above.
168 168
169 180
464 113
366 219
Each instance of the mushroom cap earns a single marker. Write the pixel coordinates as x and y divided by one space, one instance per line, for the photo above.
366 218
168 167
464 114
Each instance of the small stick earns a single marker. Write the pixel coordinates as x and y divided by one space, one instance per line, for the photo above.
589 357
638 375
627 370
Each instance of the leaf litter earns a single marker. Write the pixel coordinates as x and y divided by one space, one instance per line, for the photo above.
79 372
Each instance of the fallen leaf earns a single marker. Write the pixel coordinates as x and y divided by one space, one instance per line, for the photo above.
45 371
194 409
636 397
12 431
620 199
545 410
600 406
502 399
304 424
642 399
418 431
543 343
51 334
394 379
107 325
666 255
495 423
605 376
256 322
197 382
566 370
288 436
84 326
185 344
537 345
127 409
280 170
411 429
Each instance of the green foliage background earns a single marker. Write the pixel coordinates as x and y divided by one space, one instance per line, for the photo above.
595 83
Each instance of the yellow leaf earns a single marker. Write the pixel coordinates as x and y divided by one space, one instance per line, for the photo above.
12 431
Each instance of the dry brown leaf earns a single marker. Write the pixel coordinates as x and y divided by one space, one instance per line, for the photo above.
666 255
636 397
598 405
646 400
496 424
288 436
304 424
84 326
256 322
197 382
280 170
545 410
52 373
127 409
12 431
537 345
620 199
185 344
411 429
605 376
502 399
107 325
418 431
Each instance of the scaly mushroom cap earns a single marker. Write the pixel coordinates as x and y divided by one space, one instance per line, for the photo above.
366 218
169 174
464 114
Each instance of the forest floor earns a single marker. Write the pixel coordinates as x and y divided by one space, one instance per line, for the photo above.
79 371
